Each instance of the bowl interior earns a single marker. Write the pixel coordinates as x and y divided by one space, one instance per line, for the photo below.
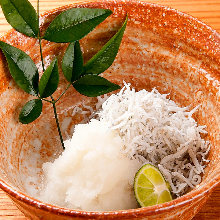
161 48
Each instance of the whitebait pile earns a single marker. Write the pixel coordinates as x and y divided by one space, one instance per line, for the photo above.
155 130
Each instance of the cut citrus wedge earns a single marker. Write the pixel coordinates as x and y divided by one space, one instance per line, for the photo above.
150 187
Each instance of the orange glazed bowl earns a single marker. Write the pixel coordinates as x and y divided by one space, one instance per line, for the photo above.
161 48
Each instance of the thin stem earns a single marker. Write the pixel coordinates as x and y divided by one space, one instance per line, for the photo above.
47 100
57 121
63 92
41 54
42 60
39 36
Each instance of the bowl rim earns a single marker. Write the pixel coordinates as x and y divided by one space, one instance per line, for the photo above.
178 202
181 201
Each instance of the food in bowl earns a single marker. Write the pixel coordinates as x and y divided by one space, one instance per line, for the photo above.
96 171
141 80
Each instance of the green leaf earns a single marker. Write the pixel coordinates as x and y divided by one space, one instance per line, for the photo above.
21 15
31 111
93 85
72 64
49 80
73 24
22 68
106 56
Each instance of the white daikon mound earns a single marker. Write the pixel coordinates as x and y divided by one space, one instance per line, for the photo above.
92 173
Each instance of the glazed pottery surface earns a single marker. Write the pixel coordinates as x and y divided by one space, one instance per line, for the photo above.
161 48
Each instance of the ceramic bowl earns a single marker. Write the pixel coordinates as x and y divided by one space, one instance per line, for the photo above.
161 48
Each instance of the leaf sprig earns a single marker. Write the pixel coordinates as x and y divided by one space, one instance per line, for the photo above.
68 27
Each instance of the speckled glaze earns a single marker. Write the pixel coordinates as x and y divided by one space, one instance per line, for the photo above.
161 48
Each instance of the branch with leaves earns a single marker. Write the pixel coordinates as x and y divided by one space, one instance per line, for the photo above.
68 27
